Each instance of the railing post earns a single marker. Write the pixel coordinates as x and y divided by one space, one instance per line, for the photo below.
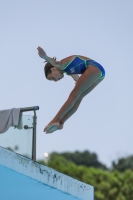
34 128
34 136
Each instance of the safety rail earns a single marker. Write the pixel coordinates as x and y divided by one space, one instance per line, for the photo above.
21 139
34 108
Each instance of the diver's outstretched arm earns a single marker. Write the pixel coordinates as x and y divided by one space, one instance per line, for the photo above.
52 61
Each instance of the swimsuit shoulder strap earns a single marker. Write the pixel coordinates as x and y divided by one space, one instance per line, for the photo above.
69 63
74 59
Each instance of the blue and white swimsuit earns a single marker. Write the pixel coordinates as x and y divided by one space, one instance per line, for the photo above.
79 65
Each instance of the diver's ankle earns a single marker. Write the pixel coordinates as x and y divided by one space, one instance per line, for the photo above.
62 123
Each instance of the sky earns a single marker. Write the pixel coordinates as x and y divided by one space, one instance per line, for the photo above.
101 30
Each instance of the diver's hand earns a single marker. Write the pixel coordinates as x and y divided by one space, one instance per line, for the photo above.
41 52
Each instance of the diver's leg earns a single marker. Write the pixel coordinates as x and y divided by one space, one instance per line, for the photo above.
76 105
89 77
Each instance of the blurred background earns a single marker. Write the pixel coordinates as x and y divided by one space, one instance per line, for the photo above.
101 30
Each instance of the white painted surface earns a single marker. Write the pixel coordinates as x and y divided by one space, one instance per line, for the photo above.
46 175
16 186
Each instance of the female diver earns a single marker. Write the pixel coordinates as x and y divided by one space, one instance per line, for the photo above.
92 73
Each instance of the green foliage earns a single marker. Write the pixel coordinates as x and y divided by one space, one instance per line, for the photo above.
82 158
108 185
123 164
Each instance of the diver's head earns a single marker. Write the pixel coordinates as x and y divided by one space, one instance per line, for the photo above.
52 73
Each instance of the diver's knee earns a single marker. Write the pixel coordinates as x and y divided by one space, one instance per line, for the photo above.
74 95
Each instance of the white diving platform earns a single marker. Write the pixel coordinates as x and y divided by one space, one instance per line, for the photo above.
23 178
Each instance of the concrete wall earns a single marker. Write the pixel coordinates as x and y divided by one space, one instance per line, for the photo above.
46 175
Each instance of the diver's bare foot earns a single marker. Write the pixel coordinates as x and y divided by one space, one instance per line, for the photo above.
60 126
50 128
55 127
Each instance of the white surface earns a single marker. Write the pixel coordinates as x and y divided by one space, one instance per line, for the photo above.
16 186
46 175
8 118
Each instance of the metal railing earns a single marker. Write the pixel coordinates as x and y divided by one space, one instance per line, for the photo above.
34 108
